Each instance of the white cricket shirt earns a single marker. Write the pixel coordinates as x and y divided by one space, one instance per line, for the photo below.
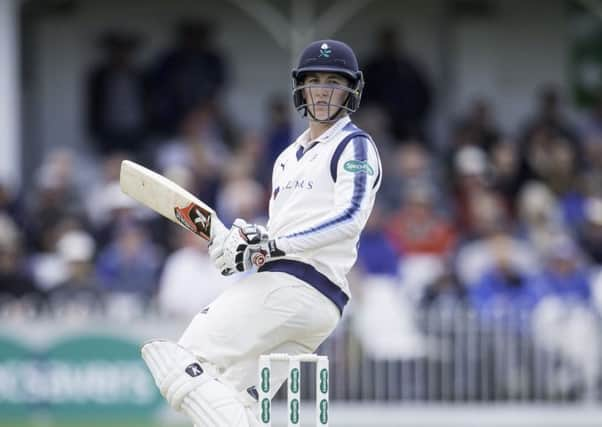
323 191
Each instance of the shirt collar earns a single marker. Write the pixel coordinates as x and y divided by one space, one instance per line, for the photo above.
305 142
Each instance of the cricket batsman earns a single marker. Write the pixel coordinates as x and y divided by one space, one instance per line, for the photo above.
323 190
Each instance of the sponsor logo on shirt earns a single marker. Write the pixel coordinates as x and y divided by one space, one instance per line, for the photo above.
299 184
358 166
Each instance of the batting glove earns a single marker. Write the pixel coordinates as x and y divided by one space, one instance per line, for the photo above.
246 246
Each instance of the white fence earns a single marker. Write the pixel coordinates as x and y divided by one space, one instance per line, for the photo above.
509 356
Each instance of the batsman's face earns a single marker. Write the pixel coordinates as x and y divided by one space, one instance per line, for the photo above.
325 93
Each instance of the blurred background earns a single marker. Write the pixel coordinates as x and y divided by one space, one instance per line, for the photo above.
478 286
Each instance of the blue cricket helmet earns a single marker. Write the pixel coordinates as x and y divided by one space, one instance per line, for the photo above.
329 56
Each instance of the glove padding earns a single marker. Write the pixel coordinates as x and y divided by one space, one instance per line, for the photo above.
243 247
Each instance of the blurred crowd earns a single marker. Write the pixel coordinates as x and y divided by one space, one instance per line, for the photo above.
487 218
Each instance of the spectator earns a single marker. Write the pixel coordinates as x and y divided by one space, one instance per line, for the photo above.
399 87
539 216
563 275
445 291
423 237
504 297
409 165
116 209
503 291
55 197
115 96
100 197
478 127
47 266
189 281
382 303
252 148
590 232
549 114
504 173
376 254
417 228
591 130
476 258
241 196
14 280
564 319
199 148
80 290
130 263
190 73
477 206
11 204
591 177
278 134
545 130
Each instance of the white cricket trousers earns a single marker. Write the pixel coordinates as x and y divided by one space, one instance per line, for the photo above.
267 312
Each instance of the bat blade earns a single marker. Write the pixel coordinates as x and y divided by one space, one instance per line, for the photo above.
169 199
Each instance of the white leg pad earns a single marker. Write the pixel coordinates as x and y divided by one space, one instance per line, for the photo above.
188 388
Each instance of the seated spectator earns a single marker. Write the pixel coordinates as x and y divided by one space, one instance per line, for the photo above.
550 116
596 289
197 143
381 302
80 291
405 167
56 196
47 266
483 256
591 128
11 204
551 152
590 231
477 206
251 147
278 133
563 274
504 173
15 282
199 147
552 160
504 291
591 134
478 127
114 210
445 291
130 263
382 306
375 254
417 228
504 298
422 236
99 198
564 319
240 196
189 281
539 215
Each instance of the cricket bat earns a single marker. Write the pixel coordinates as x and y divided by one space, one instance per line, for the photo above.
169 199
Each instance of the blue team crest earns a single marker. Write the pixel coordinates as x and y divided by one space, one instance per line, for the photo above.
325 51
